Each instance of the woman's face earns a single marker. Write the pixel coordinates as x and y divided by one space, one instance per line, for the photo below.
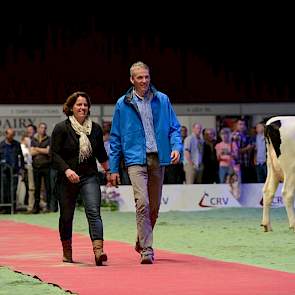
224 136
80 109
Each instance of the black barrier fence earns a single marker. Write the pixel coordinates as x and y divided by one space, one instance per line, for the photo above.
8 182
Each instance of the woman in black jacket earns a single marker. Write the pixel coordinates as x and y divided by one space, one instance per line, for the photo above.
76 143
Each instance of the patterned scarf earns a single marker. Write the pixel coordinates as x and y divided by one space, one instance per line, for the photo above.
85 149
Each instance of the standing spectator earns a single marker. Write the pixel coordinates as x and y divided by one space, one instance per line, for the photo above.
174 173
183 133
106 141
31 130
22 193
245 146
41 166
11 155
106 126
146 132
210 174
193 156
227 155
260 154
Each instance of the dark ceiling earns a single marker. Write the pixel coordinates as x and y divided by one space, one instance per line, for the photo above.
48 58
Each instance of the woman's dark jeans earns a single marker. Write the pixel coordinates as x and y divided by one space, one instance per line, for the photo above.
89 190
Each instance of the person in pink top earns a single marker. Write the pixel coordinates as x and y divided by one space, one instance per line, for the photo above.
227 156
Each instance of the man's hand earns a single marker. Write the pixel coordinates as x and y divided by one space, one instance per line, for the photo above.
108 178
72 176
115 179
175 156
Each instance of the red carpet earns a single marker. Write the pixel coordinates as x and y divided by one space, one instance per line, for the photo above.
36 251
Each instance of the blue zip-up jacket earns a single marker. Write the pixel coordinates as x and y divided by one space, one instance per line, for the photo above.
127 138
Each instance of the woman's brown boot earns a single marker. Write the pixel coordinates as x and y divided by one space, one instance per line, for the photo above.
67 251
100 256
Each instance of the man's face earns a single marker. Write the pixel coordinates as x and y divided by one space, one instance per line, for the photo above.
30 131
259 128
42 130
241 126
210 134
10 133
197 129
141 80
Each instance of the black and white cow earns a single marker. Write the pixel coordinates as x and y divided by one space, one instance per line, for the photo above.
280 143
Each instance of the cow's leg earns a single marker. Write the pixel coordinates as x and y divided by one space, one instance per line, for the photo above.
288 196
269 189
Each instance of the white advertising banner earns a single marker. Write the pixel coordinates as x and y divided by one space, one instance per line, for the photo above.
198 197
251 196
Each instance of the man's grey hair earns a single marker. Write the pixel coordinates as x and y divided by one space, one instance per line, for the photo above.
138 64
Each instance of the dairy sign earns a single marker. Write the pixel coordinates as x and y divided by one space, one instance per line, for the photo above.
18 124
19 116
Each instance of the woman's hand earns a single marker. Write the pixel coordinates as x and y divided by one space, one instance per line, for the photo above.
72 176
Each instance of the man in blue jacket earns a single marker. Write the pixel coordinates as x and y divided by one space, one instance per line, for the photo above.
146 133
